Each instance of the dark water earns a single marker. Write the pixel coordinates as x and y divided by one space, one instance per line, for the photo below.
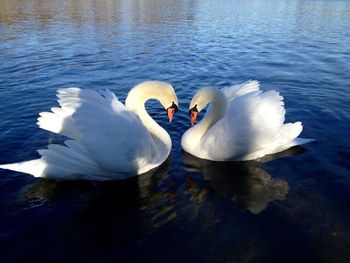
293 207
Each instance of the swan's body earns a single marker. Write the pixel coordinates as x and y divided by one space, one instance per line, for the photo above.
243 123
107 139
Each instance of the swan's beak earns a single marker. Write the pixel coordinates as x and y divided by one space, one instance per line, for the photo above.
171 111
193 113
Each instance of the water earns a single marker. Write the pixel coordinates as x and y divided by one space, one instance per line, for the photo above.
293 207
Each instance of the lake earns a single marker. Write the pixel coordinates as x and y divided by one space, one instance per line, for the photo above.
289 207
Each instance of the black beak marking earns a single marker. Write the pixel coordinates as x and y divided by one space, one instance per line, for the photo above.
174 106
194 109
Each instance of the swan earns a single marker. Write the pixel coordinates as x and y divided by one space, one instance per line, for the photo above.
242 123
107 140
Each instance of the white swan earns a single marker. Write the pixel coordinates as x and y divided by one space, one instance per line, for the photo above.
107 139
242 123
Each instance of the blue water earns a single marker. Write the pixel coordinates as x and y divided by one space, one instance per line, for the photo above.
291 207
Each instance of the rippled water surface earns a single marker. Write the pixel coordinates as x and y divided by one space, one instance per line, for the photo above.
291 207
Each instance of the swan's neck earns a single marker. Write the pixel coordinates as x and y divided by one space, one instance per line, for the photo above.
136 100
218 104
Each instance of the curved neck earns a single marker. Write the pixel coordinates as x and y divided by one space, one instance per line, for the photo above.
136 100
216 111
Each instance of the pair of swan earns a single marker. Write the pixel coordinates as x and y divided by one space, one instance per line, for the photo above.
111 140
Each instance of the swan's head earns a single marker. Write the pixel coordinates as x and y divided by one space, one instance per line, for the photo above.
202 98
167 97
161 91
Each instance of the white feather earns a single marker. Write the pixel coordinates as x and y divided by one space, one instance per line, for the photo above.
251 126
107 139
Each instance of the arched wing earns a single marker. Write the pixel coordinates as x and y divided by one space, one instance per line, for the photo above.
253 122
112 135
235 91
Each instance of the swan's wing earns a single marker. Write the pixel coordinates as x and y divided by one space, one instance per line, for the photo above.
59 120
235 91
252 127
113 136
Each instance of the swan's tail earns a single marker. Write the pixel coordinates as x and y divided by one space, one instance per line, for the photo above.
287 138
289 135
33 167
301 141
58 162
53 170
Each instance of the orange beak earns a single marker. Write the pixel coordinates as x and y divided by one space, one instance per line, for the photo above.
194 115
171 111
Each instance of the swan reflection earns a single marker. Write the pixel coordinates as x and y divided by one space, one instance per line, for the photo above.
245 183
101 194
85 215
